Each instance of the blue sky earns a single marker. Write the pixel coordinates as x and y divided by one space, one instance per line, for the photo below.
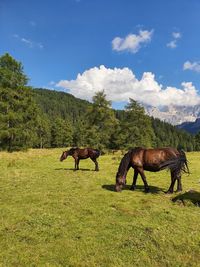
147 50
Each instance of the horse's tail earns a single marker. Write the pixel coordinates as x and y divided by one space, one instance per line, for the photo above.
185 167
178 164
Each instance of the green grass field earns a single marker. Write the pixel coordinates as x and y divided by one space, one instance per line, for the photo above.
54 216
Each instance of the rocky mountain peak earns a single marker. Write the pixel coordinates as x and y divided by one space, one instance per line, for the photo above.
174 115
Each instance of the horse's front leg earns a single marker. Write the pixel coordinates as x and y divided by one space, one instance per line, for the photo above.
76 163
146 186
134 180
173 180
96 165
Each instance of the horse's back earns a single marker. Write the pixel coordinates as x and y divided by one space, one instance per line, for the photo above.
93 153
150 159
84 153
162 152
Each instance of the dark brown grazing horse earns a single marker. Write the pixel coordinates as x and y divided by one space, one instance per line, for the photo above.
152 160
82 153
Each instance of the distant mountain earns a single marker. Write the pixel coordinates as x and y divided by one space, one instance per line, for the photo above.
175 115
191 127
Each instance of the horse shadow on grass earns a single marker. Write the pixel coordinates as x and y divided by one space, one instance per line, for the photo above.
153 189
72 169
190 196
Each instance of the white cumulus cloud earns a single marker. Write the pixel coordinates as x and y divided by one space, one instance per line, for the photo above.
172 44
132 42
176 35
122 84
195 66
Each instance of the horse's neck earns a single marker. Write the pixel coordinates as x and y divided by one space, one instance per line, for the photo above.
127 169
124 166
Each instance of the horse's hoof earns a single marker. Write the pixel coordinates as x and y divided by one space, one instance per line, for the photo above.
146 190
169 192
179 190
132 188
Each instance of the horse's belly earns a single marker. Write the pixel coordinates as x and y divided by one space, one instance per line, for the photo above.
152 168
83 157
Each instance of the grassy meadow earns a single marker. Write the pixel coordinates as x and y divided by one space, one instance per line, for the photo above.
54 216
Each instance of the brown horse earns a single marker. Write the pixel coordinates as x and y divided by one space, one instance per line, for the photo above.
153 160
82 153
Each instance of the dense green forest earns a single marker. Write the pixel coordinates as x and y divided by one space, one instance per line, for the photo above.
41 118
59 104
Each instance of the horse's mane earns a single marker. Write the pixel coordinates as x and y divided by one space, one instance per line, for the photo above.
71 151
125 161
136 149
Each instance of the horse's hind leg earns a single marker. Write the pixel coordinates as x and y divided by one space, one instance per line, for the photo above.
134 180
96 164
146 186
173 180
179 184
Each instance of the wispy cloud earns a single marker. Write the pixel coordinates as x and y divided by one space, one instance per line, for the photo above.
122 84
132 42
194 66
173 44
52 83
28 42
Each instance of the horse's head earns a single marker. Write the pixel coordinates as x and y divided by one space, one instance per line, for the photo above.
64 155
120 181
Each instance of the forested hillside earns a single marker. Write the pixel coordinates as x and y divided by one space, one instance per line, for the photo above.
65 106
191 127
59 104
45 118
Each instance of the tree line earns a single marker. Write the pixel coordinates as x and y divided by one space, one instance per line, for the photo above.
40 118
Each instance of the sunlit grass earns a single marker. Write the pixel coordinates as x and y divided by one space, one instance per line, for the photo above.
54 216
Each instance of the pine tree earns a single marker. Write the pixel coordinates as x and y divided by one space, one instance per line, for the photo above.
135 127
61 133
18 111
80 133
43 131
103 118
197 141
